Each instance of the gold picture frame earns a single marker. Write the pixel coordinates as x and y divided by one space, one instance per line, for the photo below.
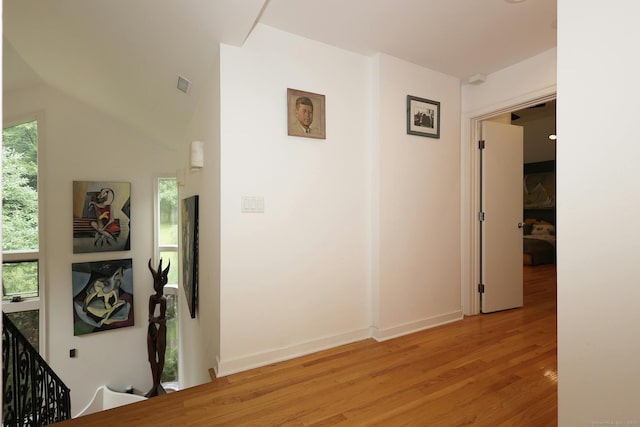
305 114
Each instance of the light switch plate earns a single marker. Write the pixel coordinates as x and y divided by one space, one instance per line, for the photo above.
252 204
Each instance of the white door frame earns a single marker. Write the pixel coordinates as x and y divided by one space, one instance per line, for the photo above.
470 181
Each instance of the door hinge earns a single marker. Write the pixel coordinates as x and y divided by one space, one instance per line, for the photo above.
481 144
480 216
481 288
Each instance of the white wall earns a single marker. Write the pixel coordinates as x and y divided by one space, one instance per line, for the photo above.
294 279
360 234
597 181
503 91
200 337
526 80
80 143
416 190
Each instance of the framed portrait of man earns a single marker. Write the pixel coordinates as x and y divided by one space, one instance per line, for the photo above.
305 114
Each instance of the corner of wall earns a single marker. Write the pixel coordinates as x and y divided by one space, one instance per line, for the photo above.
416 326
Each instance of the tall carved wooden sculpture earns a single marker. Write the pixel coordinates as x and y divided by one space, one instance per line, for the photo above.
157 332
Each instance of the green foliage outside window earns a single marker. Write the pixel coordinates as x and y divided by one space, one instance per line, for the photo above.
20 207
20 222
20 187
170 372
168 192
27 323
168 238
20 279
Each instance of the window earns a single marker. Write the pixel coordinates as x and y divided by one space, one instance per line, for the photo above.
22 289
166 233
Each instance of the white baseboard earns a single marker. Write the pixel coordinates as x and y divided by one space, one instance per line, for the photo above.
232 366
409 328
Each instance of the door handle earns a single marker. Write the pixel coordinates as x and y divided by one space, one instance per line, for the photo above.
521 225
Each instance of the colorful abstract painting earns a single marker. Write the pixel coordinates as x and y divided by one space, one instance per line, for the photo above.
101 216
102 295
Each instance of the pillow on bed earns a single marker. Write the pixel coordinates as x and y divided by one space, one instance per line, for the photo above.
536 221
541 229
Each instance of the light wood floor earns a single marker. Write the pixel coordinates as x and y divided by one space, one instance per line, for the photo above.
495 369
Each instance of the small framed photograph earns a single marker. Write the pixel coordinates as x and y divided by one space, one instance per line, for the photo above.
305 116
423 117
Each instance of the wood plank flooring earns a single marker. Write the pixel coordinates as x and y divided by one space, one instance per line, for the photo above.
496 369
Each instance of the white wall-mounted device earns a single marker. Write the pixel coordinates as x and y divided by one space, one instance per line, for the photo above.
197 155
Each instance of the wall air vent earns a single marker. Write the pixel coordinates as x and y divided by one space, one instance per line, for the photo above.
183 84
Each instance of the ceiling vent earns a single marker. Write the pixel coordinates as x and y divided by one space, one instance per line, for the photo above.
183 84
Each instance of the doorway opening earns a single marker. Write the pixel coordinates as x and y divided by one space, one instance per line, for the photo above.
535 114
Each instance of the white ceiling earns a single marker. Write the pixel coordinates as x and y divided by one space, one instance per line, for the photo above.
124 56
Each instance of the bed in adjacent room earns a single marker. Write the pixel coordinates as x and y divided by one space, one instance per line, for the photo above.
539 237
539 242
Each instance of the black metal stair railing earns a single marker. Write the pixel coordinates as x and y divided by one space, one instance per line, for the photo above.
33 395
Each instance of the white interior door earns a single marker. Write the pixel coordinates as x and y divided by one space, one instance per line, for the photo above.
501 239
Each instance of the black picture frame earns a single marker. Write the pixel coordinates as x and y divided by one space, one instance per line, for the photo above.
189 211
423 117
